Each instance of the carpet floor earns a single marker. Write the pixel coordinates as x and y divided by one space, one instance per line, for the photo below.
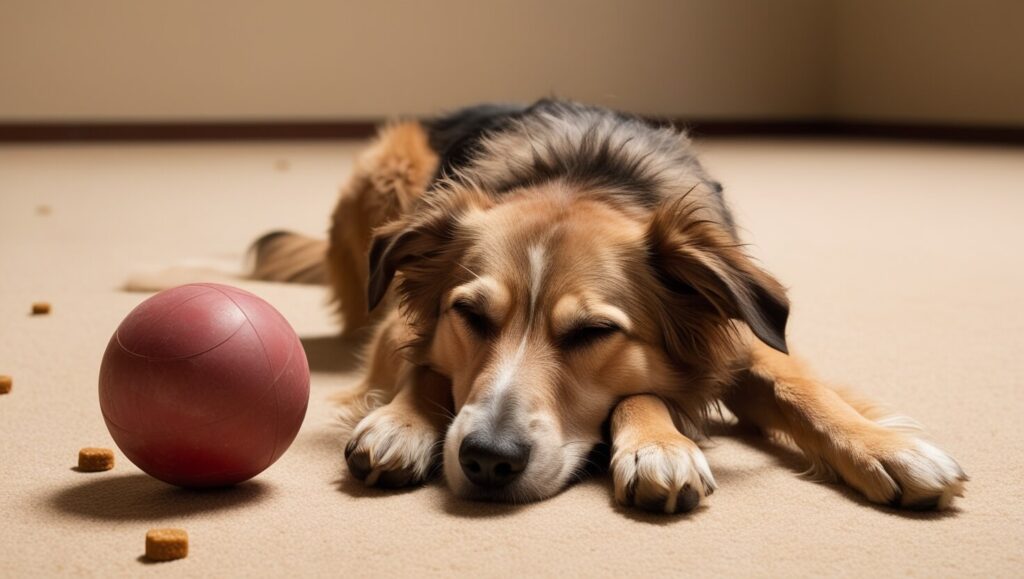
905 268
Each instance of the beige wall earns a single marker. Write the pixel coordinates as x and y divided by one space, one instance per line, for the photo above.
316 58
956 61
930 60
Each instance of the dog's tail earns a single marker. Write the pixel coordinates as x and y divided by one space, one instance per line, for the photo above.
279 256
284 256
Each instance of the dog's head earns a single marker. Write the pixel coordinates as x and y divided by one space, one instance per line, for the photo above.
546 307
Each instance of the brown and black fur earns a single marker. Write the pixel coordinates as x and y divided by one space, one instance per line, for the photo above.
536 272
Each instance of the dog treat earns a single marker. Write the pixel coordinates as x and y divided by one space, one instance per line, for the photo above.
166 544
5 384
40 308
95 459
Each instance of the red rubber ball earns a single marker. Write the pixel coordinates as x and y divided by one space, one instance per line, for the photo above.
204 385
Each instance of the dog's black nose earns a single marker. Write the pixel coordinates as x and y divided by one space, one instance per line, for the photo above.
493 462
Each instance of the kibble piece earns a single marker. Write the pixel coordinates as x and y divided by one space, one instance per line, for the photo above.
5 384
166 544
40 308
95 459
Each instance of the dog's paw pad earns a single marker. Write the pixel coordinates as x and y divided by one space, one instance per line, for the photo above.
664 477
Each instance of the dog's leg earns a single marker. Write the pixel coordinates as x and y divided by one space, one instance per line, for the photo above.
398 444
884 458
386 180
654 467
382 366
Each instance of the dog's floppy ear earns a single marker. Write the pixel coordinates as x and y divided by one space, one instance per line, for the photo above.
392 244
694 253
419 244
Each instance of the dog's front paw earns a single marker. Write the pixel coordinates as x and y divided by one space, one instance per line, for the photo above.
665 476
390 450
927 476
903 470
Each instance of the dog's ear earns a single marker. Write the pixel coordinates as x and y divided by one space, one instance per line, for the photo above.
392 244
418 244
693 253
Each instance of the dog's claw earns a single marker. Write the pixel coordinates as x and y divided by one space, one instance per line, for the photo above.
639 483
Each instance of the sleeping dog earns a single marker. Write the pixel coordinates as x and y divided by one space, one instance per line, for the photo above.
540 278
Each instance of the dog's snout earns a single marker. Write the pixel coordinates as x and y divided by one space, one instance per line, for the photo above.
493 462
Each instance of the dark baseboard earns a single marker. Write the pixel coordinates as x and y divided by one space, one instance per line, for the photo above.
27 132
980 134
185 131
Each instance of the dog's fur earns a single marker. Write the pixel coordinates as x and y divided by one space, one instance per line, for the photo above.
541 275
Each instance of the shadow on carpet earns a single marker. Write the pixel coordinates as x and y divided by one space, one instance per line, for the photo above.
141 497
332 353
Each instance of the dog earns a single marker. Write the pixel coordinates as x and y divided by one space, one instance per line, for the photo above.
539 279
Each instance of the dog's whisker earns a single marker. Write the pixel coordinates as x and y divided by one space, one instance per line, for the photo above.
471 272
445 411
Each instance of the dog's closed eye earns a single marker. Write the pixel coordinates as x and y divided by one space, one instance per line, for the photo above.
474 318
587 333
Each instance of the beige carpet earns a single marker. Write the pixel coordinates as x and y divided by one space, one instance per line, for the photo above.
906 274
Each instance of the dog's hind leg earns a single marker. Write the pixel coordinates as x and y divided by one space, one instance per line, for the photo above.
654 467
386 180
881 457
